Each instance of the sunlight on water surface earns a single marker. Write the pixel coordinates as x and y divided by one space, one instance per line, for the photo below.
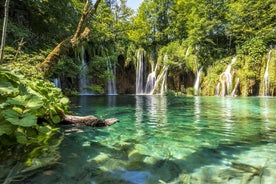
163 139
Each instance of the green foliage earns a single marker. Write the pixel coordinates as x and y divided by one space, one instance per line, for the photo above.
24 100
171 93
255 49
249 19
190 91
67 67
183 35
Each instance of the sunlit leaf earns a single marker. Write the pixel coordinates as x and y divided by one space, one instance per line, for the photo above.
18 100
34 103
18 110
7 88
64 100
25 120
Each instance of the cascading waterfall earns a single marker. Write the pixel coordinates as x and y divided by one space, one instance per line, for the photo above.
235 87
164 88
151 81
196 86
111 81
228 75
217 89
266 76
83 80
225 80
154 84
140 73
160 86
162 78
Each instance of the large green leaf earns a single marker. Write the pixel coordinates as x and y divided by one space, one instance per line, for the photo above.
18 100
6 128
25 120
6 88
32 102
21 137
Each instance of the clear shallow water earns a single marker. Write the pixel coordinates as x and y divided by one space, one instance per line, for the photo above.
163 139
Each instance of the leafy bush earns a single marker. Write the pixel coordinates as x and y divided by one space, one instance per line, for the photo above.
29 107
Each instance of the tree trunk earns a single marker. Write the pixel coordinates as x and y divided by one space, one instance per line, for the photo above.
88 121
52 59
62 49
5 23
80 36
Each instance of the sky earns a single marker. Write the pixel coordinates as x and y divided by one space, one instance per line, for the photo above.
134 4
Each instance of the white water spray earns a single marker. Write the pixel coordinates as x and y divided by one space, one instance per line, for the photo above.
197 82
164 88
151 81
226 80
140 73
84 81
266 76
111 81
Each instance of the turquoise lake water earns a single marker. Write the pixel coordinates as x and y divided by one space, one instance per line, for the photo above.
163 139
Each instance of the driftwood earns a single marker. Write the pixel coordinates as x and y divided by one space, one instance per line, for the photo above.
88 121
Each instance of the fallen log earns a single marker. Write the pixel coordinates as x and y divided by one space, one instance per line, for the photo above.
88 121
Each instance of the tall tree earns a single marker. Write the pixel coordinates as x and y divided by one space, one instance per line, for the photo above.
81 35
248 19
4 30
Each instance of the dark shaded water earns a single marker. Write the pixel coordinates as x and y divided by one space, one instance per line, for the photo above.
163 139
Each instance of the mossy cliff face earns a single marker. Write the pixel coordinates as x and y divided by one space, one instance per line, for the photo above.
268 75
249 76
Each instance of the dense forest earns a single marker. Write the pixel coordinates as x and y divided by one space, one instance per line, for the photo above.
176 40
178 47
167 47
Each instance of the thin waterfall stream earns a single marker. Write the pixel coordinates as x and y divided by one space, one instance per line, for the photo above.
84 82
111 81
140 74
197 82
266 76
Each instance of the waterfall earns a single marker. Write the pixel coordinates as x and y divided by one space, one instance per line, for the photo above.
266 76
151 81
140 73
228 75
235 88
160 86
83 78
111 81
57 82
196 86
164 82
226 80
154 84
217 89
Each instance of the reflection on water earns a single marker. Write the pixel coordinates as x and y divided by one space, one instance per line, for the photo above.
197 109
151 109
170 140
